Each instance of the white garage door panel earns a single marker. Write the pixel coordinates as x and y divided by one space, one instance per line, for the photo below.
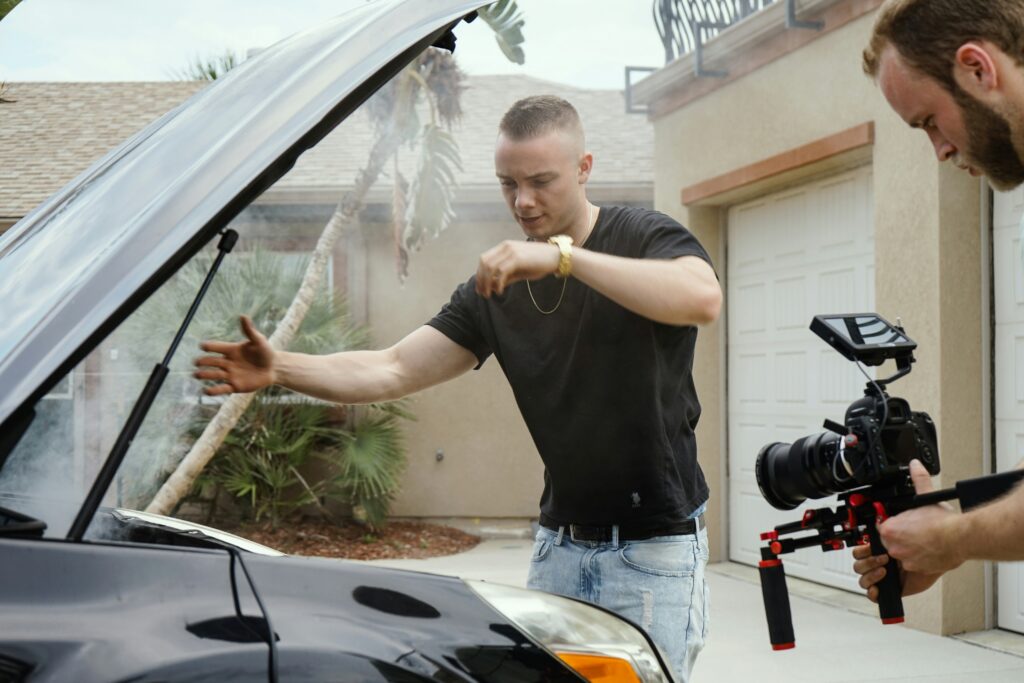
1009 384
792 255
1008 276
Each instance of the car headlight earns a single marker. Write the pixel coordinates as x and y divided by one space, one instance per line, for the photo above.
596 644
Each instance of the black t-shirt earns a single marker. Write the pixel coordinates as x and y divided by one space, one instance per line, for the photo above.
607 394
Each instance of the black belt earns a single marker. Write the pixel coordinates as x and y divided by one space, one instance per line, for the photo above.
603 534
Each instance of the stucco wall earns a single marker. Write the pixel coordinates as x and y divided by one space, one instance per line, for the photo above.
928 263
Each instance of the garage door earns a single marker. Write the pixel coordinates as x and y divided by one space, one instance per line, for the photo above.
792 255
1009 378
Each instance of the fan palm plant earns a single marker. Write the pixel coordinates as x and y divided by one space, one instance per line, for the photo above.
260 460
263 459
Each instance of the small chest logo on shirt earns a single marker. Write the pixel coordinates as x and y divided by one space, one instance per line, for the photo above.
636 499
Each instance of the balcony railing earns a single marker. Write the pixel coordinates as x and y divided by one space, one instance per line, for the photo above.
685 25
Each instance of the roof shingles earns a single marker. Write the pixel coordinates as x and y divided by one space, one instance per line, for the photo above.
54 131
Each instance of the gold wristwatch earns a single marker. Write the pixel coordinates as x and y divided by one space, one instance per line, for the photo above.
564 244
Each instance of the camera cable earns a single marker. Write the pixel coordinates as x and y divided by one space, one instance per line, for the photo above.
841 455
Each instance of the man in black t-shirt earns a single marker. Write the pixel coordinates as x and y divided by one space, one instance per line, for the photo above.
606 393
593 320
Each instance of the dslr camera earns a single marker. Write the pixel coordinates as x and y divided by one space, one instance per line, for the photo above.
879 436
865 460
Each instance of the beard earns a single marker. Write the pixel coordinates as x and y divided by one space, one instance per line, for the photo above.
990 144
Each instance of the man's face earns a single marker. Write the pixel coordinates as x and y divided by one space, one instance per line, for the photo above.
541 180
961 129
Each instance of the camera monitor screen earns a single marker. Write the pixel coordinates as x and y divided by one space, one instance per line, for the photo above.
866 337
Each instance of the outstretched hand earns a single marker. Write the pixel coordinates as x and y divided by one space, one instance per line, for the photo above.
241 367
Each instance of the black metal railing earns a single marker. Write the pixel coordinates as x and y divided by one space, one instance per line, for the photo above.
684 25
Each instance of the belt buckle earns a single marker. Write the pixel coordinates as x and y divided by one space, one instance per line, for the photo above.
590 534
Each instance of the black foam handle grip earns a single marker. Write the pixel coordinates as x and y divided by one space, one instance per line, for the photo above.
890 590
776 604
981 490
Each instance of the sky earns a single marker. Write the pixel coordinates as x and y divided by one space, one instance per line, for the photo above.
586 43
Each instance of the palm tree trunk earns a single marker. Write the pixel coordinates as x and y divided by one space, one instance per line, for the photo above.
184 476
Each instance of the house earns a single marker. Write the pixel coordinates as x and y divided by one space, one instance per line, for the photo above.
469 454
814 197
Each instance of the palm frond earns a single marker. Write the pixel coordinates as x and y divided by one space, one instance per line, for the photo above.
507 23
261 460
398 408
399 222
6 6
429 209
208 69
375 511
370 465
445 84
257 283
393 107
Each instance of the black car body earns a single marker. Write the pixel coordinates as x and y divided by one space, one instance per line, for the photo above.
93 593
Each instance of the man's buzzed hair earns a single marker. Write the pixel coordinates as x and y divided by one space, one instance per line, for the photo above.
927 33
540 114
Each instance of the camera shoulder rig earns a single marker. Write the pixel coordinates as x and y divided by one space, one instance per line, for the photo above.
855 522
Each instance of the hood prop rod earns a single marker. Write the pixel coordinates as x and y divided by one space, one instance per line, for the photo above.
143 404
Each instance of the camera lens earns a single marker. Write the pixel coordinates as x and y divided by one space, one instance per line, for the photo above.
789 474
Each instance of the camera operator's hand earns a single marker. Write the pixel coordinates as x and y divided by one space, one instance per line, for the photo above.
872 569
242 367
924 540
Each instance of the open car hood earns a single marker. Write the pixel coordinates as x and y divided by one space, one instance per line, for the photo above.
192 528
77 265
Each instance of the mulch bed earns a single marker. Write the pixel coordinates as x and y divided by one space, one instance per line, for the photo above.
395 540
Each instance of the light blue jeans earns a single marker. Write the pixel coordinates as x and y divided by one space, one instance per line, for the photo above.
657 583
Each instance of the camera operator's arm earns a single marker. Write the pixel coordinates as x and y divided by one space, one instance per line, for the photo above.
422 359
930 541
936 539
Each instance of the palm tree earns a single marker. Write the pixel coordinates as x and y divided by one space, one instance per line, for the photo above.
426 199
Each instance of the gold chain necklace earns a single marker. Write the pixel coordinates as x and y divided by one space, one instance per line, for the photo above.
590 217
535 305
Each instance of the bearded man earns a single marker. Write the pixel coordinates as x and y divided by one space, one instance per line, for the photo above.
955 70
